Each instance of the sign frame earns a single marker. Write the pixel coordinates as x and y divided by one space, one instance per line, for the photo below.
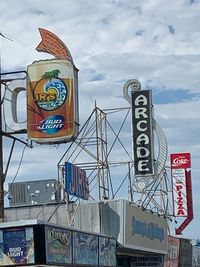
142 124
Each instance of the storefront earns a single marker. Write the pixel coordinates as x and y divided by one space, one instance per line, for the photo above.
185 253
181 253
144 240
141 235
172 257
195 256
30 243
135 259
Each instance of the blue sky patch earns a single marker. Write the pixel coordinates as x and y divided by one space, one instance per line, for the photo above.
98 77
193 1
173 96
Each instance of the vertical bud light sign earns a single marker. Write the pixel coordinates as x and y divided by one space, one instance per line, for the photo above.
52 104
179 164
142 132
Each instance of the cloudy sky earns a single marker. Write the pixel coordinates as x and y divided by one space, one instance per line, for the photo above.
112 41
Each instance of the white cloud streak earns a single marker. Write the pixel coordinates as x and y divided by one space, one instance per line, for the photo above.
111 41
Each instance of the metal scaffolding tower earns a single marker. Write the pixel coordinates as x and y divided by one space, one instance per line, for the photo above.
98 150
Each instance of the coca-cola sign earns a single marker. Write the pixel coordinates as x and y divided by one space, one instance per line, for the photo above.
180 161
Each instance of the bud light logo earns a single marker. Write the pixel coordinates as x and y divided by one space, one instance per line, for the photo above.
52 124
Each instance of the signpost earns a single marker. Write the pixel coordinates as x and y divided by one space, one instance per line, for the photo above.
34 242
1 163
182 188
147 169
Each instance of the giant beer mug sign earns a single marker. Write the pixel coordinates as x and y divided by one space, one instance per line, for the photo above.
52 94
52 114
51 87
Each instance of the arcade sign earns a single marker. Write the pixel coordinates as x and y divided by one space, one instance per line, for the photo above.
142 132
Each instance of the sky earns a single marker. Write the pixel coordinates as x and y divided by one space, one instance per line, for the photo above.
111 42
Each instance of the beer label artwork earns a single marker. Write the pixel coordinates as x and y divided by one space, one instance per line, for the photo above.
54 91
50 93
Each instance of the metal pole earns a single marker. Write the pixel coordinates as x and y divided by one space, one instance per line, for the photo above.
130 184
1 163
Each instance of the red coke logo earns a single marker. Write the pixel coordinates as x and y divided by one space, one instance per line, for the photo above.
180 161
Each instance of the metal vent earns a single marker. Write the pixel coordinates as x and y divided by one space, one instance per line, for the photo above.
18 193
34 192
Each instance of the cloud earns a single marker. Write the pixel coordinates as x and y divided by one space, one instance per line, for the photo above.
112 41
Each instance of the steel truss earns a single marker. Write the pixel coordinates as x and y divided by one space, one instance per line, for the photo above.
104 145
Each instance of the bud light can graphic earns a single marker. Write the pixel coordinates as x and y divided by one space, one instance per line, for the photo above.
52 101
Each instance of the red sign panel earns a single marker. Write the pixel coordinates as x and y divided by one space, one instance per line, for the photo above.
180 161
182 188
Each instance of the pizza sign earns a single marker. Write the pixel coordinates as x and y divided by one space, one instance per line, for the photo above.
180 162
